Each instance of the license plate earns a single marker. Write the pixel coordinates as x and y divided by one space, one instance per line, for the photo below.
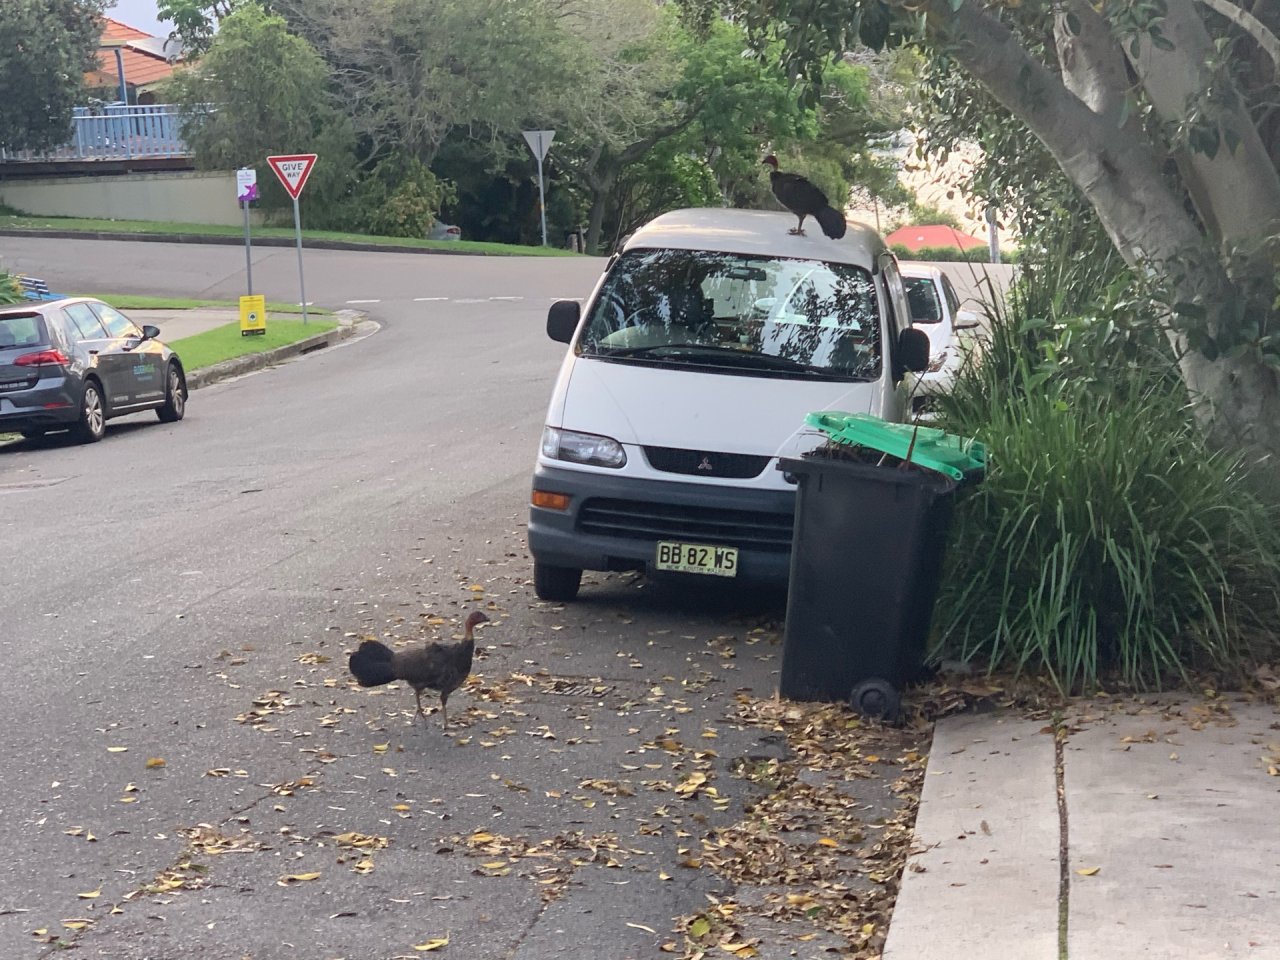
697 558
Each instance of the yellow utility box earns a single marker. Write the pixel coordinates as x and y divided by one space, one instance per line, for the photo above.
253 316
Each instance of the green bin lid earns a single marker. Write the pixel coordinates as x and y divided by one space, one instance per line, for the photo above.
934 449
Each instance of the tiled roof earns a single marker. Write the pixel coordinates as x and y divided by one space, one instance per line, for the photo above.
141 68
933 235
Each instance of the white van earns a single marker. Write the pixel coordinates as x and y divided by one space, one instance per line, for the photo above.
690 371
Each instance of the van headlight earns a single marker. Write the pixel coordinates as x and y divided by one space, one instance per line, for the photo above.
582 448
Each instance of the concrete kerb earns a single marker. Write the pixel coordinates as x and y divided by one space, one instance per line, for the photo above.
350 322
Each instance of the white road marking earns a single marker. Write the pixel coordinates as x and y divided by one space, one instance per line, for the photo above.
469 300
506 298
364 301
428 299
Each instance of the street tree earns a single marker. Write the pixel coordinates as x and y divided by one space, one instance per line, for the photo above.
46 47
260 90
408 72
1161 114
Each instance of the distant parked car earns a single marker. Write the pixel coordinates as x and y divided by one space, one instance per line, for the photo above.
444 231
73 364
935 309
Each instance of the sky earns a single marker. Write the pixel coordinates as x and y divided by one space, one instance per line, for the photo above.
140 14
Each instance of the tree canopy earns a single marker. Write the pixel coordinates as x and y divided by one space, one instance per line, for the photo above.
1160 114
46 47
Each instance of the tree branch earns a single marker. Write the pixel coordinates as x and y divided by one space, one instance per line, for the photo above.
1247 22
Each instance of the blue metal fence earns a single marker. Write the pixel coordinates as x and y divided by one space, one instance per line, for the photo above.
114 132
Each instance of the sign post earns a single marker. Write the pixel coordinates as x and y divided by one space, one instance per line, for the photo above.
540 142
246 193
292 171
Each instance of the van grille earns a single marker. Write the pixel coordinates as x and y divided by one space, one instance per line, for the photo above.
643 520
706 463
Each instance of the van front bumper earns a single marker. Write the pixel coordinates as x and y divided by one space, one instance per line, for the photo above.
615 523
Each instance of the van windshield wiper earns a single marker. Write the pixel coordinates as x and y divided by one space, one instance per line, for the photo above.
712 353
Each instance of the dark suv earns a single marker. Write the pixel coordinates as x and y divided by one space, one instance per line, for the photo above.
73 364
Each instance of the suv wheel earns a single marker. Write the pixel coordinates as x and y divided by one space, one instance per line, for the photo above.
556 584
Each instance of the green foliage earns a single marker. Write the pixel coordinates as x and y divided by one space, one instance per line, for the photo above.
196 21
269 95
10 289
46 46
927 213
1107 541
402 197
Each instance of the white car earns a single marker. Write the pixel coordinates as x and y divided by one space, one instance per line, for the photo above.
935 310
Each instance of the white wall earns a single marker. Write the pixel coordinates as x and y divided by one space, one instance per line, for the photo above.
175 197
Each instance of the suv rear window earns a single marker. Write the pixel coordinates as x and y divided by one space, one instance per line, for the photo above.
22 330
738 313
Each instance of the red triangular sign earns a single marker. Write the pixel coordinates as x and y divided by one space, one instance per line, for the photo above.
293 170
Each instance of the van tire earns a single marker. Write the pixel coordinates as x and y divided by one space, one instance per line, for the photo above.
556 584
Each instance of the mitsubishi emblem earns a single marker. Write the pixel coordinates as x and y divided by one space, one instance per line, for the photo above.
705 464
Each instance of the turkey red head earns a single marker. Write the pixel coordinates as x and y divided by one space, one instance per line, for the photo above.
476 618
770 161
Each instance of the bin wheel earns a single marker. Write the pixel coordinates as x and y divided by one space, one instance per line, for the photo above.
556 584
876 699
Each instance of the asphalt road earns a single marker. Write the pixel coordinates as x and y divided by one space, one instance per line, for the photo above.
187 593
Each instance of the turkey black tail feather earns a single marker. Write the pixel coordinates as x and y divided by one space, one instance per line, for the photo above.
371 664
832 222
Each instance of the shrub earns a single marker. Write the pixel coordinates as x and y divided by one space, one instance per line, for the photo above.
1107 540
403 198
10 289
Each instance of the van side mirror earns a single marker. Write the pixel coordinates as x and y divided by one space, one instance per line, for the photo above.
965 320
913 350
562 320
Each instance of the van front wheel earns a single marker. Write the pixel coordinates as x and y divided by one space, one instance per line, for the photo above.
556 584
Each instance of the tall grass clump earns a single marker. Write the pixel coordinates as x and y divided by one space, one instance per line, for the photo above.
1107 542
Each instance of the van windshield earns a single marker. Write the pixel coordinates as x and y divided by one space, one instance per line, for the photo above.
738 313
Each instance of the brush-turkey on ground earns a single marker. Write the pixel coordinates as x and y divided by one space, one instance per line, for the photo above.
441 667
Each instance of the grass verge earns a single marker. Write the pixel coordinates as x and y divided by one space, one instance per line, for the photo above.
84 225
226 343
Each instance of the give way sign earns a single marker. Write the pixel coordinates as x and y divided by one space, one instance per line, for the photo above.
293 170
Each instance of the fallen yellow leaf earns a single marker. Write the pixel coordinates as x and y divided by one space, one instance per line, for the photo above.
154 762
431 945
91 895
828 842
298 878
1088 871
116 749
381 747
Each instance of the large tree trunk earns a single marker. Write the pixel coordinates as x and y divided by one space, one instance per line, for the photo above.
1119 172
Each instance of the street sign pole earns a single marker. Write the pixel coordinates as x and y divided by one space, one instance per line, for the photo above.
292 171
302 287
248 249
542 199
540 142
246 193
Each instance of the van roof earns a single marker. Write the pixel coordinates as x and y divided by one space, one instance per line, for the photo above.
759 232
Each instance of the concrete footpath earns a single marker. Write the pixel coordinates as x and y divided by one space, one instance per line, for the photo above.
1142 829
